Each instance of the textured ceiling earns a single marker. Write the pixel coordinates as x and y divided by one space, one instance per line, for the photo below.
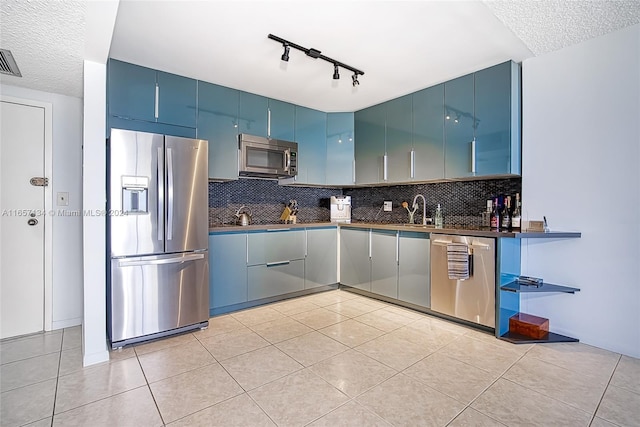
545 26
47 40
402 46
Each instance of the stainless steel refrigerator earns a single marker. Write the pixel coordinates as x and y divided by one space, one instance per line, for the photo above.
157 227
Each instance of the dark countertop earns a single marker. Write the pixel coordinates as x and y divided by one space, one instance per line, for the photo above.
258 227
464 231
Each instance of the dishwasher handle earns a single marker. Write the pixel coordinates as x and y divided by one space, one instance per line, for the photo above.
440 242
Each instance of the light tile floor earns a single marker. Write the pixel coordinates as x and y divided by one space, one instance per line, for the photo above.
329 359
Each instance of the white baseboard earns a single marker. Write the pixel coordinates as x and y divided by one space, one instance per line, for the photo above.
61 324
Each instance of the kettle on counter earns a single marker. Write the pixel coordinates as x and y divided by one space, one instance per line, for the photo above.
243 218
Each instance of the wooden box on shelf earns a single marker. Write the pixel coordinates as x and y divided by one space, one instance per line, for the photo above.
529 325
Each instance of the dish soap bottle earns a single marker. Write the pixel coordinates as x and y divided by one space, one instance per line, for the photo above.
439 219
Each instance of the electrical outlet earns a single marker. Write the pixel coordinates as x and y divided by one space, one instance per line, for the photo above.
387 206
63 198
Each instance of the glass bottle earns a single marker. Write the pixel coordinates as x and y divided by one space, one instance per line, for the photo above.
439 219
517 215
495 216
505 218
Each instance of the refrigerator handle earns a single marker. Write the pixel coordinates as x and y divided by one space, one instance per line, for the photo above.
169 193
160 178
178 259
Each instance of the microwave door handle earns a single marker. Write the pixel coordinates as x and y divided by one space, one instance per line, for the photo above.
287 160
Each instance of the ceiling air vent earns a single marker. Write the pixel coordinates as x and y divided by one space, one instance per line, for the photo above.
8 64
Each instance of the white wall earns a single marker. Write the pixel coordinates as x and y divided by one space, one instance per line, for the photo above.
581 168
94 344
66 177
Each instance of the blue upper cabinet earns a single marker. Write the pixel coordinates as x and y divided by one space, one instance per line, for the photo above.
281 120
311 136
370 144
218 123
497 112
253 114
459 123
139 93
428 134
132 91
340 142
177 97
399 139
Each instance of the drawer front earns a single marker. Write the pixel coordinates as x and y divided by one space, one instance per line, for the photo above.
275 279
276 246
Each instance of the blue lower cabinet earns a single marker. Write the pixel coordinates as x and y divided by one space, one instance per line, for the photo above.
384 263
414 278
275 279
355 259
228 269
321 262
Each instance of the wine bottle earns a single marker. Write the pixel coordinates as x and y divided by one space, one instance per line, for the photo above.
505 218
517 215
495 216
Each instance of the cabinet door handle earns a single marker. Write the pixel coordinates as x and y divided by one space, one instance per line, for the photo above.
274 264
384 167
398 247
354 171
269 122
157 105
369 244
473 155
412 157
277 229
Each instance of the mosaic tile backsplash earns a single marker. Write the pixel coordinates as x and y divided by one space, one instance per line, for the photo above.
462 202
266 200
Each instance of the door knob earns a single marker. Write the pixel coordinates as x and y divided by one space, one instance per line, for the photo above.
32 221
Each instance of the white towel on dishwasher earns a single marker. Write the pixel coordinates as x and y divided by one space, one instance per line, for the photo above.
458 261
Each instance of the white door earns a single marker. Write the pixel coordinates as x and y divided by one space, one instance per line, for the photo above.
22 219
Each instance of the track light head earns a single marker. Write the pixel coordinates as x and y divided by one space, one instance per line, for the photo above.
285 55
336 75
354 79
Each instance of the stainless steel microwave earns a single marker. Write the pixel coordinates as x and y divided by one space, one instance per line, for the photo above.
267 158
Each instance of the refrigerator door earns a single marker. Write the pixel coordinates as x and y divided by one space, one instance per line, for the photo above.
136 193
187 213
157 293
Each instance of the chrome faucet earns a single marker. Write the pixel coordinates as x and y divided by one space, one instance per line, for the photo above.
424 207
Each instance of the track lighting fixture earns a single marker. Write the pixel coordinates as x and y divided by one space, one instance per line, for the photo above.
285 55
315 54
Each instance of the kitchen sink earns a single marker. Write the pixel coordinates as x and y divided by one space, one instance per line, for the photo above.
416 225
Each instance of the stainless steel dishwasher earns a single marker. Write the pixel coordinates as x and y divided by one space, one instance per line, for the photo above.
471 299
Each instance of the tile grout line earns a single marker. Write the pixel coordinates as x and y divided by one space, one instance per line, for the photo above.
605 391
55 394
146 380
